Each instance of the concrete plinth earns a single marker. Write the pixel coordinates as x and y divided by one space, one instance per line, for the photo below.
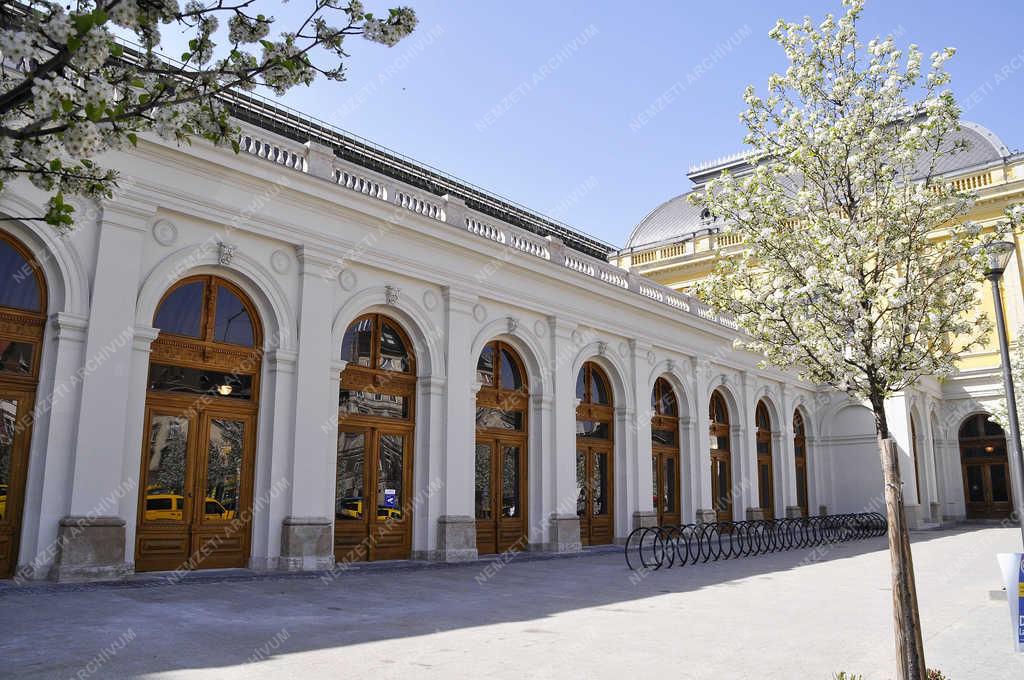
90 549
706 516
822 509
564 536
794 511
913 512
936 510
755 514
456 541
306 544
645 518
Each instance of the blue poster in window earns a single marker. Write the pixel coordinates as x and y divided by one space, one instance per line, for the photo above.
1012 566
390 498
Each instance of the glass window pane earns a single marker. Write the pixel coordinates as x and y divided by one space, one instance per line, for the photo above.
393 354
764 480
389 476
600 483
975 484
498 418
1000 489
356 345
182 311
581 483
581 384
485 366
722 487
763 448
348 485
801 486
510 377
351 402
654 479
165 465
592 429
598 389
167 378
510 482
670 484
16 357
663 437
483 481
19 288
232 323
224 468
8 430
992 429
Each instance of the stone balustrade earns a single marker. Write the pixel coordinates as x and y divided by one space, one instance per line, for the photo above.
290 154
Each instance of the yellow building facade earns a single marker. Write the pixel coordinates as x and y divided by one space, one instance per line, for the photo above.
936 424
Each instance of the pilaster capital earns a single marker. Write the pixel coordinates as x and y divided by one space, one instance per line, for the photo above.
282 359
126 213
315 262
69 326
459 299
144 337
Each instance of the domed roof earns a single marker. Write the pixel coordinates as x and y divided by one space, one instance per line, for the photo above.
677 217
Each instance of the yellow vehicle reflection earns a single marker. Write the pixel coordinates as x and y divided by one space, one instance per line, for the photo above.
352 508
169 506
3 501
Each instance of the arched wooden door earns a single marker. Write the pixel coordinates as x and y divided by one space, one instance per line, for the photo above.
917 464
800 458
500 473
985 469
665 453
765 470
198 449
22 320
721 458
594 446
373 478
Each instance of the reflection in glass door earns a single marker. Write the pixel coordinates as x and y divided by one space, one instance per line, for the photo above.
371 518
721 459
984 463
194 473
594 495
499 491
14 438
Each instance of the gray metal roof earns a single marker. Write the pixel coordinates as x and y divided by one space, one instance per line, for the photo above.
676 218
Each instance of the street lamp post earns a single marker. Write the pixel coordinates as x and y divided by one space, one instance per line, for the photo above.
997 256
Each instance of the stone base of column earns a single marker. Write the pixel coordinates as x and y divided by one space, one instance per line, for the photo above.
936 509
706 516
645 518
456 541
794 511
822 509
90 549
915 515
307 544
754 514
564 534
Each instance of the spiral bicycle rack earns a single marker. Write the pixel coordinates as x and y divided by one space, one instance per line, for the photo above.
651 548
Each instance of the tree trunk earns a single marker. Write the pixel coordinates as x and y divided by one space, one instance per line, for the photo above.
906 620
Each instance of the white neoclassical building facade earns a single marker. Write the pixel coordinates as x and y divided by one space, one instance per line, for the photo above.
316 351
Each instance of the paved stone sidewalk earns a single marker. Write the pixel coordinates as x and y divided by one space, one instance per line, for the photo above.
773 617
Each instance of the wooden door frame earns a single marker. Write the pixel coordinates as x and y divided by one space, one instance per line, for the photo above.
497 440
591 447
659 454
14 502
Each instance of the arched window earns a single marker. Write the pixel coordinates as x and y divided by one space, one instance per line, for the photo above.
800 456
373 503
210 340
665 452
721 458
985 468
594 484
198 456
22 322
765 471
501 450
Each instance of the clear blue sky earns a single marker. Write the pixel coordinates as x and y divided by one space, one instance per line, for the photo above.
567 145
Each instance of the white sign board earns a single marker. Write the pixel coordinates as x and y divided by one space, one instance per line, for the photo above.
1012 565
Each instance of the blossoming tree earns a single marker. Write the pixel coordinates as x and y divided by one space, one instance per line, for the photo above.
81 78
853 266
